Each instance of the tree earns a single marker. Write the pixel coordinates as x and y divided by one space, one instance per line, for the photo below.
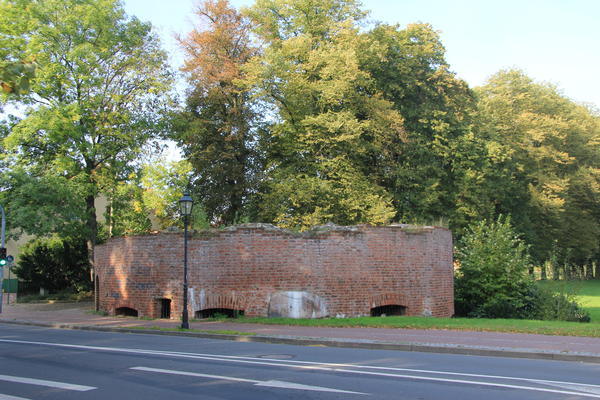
126 213
44 205
435 172
54 264
544 157
15 77
218 130
329 119
162 185
96 98
17 69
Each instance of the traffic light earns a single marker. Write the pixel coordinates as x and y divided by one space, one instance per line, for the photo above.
3 259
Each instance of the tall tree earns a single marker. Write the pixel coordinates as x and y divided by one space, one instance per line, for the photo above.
544 152
329 119
162 184
96 98
219 126
433 174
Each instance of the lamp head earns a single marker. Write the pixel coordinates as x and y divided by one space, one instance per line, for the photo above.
185 204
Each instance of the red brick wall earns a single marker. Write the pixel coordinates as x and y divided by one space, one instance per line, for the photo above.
348 270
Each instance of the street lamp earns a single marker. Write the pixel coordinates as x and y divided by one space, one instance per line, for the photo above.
185 207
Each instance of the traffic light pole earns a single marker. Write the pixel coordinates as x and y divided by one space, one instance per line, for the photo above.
3 224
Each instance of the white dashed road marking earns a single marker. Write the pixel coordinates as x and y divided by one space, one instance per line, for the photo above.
42 382
572 388
270 383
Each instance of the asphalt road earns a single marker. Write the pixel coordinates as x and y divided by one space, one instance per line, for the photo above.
43 363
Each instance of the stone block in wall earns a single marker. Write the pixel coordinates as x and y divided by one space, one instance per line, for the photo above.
295 304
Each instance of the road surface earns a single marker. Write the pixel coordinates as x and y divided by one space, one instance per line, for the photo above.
44 363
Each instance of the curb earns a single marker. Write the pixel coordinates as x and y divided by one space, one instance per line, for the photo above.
339 342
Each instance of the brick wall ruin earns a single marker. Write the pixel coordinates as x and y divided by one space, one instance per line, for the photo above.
261 270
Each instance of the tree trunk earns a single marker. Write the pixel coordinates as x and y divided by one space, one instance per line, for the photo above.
92 234
543 272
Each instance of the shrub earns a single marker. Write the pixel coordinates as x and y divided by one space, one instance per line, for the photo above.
493 280
55 264
558 305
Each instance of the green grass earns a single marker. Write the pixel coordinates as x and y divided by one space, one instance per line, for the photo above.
466 324
587 294
179 329
94 312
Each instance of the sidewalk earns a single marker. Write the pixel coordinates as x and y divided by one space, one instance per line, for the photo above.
78 316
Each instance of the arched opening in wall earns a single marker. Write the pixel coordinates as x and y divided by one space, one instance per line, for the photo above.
388 310
165 308
219 312
126 312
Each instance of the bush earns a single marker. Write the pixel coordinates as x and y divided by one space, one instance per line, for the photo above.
55 264
492 281
63 295
561 305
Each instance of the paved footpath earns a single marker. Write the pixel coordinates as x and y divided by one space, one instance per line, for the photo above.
79 316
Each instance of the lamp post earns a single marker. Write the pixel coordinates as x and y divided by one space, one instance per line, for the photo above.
3 254
185 206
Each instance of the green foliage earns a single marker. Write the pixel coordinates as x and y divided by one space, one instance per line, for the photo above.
330 121
67 295
15 77
435 172
343 197
493 279
43 204
126 212
54 264
543 152
585 292
219 129
99 91
163 183
558 305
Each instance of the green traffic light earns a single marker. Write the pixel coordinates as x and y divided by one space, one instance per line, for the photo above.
2 263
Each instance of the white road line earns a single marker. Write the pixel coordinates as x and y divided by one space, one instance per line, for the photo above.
42 382
465 382
269 383
9 397
333 367
337 367
298 386
575 387
186 373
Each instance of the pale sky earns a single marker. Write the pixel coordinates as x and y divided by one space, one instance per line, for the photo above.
553 41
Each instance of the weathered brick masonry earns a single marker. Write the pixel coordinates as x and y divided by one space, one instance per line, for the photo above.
263 270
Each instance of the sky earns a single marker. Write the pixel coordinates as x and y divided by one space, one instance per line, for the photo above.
555 41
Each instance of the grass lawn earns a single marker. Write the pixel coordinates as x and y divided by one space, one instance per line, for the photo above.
464 324
587 293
